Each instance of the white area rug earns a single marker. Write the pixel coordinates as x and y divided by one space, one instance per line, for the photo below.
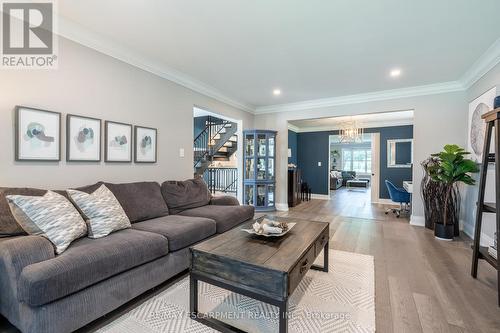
342 300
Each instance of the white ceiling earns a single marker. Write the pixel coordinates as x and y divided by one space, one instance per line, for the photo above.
371 120
309 49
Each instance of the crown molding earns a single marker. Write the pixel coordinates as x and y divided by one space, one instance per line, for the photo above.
483 65
75 32
374 124
431 89
294 128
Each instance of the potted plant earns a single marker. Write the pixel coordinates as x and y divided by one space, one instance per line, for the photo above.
431 194
449 170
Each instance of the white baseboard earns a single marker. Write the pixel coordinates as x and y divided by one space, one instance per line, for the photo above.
282 207
320 196
485 239
418 221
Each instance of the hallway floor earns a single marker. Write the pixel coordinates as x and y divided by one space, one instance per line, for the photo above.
355 202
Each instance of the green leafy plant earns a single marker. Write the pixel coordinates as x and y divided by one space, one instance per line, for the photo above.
451 168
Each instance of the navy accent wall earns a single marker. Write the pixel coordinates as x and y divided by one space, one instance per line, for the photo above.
312 147
292 144
199 125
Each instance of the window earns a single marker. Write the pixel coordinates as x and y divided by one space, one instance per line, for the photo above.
359 160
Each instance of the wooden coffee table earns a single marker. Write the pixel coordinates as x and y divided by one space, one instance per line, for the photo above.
265 269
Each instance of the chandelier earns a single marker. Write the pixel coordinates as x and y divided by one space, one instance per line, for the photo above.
350 132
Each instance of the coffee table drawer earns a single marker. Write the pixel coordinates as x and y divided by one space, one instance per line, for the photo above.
299 270
320 242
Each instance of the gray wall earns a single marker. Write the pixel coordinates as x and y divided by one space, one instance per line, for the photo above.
90 83
438 119
488 81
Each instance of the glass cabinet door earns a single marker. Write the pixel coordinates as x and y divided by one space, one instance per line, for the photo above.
261 145
249 191
271 146
270 168
249 145
249 168
270 195
261 196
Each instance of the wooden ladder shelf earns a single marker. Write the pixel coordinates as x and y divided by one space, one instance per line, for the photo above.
492 120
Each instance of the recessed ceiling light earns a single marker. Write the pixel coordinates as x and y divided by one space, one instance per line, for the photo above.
395 72
276 92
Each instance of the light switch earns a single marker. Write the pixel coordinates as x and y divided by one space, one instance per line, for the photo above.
181 152
319 163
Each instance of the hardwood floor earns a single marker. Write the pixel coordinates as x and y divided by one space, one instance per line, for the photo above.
421 284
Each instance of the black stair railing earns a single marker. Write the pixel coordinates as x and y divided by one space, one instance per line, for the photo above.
202 147
221 179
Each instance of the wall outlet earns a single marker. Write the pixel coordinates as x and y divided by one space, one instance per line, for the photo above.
319 163
181 152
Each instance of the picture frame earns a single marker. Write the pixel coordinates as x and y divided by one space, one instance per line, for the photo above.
118 142
37 135
83 138
476 126
146 144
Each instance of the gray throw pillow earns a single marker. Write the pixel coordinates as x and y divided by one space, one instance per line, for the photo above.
183 195
103 212
51 216
140 201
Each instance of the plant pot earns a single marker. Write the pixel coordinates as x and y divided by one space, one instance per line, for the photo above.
444 231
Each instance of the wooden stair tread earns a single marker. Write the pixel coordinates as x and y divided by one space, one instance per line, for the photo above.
490 207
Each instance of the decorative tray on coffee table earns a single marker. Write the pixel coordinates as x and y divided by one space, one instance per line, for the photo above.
260 230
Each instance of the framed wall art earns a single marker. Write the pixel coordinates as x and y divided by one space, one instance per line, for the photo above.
118 142
38 134
83 139
477 126
145 139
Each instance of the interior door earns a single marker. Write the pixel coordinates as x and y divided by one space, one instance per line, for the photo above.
375 188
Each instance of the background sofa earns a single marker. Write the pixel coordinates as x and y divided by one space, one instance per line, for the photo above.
44 292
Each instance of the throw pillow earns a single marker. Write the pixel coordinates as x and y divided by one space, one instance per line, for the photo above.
51 216
183 195
102 211
140 201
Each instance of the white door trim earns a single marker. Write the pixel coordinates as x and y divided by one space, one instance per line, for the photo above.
375 179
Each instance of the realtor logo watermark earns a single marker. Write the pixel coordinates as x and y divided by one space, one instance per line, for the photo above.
28 41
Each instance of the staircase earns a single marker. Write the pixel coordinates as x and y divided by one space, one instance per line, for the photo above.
217 142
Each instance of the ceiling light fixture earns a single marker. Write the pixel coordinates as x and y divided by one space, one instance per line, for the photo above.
350 132
276 92
396 72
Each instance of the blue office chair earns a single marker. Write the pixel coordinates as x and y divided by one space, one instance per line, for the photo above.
399 195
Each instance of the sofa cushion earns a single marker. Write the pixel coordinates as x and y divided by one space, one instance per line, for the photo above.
181 231
182 195
88 261
140 201
226 217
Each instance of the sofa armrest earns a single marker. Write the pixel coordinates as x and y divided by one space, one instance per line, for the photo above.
15 254
224 200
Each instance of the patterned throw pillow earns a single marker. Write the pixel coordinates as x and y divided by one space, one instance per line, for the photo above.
51 216
103 212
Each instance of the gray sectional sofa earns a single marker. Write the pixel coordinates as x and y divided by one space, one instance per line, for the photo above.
44 292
